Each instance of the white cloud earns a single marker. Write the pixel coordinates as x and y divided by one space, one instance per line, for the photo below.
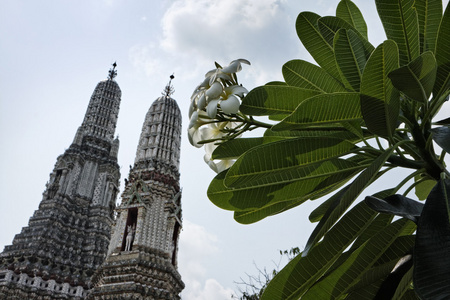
195 33
196 245
211 290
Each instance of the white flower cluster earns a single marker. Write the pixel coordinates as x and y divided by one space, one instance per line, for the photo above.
218 93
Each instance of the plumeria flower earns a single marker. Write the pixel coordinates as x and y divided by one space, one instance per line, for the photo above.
219 166
219 86
218 92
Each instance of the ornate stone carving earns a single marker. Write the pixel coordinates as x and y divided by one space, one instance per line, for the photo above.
66 239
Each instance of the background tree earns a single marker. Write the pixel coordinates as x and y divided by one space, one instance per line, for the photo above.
335 128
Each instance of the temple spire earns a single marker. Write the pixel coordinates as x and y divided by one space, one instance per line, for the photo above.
169 90
112 72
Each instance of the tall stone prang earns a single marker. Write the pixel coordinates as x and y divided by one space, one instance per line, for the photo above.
67 238
142 255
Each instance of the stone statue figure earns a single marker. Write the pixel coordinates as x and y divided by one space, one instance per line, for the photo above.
130 237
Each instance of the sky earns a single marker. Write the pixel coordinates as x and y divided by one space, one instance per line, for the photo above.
52 55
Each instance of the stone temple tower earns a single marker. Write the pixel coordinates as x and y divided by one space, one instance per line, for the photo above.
67 238
142 254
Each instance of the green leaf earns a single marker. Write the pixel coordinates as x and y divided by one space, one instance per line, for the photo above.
429 13
330 25
323 109
373 276
323 132
350 57
402 246
404 285
401 25
269 163
235 148
380 101
303 74
274 100
424 187
392 282
441 135
377 225
349 12
348 197
301 272
431 252
416 79
442 83
397 205
320 211
315 43
360 261
247 198
254 203
255 215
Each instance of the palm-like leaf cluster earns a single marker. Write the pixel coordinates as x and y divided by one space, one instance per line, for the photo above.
338 127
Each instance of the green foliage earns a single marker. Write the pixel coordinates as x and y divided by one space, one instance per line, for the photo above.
337 128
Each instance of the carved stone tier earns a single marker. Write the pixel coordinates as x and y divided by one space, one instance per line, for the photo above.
67 238
142 254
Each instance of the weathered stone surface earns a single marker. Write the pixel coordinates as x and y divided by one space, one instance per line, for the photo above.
67 238
61 253
151 209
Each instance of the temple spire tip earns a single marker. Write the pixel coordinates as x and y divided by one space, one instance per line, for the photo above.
169 90
112 72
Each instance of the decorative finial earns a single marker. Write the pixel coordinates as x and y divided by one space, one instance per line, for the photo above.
112 72
169 90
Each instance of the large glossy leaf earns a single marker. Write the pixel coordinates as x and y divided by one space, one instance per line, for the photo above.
431 252
377 225
429 13
416 79
279 162
349 12
350 57
315 43
442 83
323 109
404 285
301 272
441 135
380 101
303 74
256 198
244 199
424 187
390 285
333 132
360 261
348 197
397 205
402 246
317 214
255 215
274 100
235 147
400 23
330 25
299 191
373 276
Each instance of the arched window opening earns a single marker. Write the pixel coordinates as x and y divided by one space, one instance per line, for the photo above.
176 231
130 229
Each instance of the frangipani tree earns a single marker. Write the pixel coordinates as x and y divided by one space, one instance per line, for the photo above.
337 127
